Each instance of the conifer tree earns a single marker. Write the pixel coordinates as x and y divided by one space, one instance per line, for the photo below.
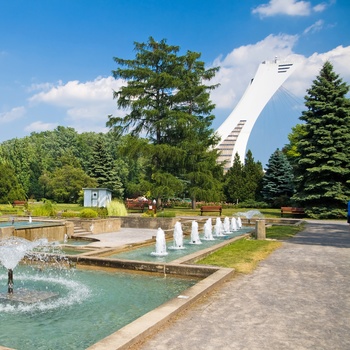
278 186
169 107
103 170
323 166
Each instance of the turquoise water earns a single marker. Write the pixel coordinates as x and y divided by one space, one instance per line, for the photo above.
90 306
144 253
27 224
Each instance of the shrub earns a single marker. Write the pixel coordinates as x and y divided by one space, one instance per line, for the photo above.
70 214
116 208
88 213
45 209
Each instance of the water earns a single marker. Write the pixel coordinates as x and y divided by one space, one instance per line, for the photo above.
160 244
144 253
27 224
90 305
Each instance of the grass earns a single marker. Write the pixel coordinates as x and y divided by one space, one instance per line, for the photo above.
245 254
181 211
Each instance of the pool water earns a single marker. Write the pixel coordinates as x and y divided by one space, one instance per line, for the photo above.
144 253
91 305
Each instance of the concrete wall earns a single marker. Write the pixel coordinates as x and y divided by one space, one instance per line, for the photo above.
151 223
97 226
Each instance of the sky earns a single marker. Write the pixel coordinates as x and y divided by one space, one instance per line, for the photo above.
56 56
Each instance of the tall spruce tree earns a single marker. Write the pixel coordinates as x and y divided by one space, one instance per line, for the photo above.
102 169
169 105
323 166
278 186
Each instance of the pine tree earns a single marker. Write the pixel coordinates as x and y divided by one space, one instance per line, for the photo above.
278 186
323 166
168 103
103 170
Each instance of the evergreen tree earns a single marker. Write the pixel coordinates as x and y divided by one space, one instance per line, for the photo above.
323 166
234 181
102 169
169 104
243 181
278 186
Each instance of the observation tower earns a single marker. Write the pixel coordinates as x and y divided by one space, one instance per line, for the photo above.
234 132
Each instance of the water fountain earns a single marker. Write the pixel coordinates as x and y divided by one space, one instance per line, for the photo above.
233 224
227 226
160 244
195 234
208 230
219 228
12 251
178 237
250 213
239 222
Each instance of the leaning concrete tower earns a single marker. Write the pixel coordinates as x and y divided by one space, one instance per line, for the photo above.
235 130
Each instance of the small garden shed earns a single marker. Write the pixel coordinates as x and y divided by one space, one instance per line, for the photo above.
97 197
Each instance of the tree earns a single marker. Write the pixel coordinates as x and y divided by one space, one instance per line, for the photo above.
243 181
323 165
103 170
10 188
278 186
170 106
65 184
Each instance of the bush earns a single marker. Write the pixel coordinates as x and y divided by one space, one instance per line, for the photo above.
88 213
116 208
70 214
45 209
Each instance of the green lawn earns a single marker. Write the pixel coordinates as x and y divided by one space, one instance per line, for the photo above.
245 254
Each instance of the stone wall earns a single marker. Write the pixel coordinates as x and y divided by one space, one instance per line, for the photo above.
149 223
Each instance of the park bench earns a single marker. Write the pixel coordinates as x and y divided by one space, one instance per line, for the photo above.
18 203
136 205
292 211
211 208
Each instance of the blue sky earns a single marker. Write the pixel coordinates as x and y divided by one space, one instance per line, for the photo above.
56 56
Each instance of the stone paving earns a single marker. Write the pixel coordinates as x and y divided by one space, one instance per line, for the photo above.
298 298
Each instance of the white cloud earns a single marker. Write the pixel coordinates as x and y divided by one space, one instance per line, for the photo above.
87 104
39 126
239 67
13 114
316 27
287 7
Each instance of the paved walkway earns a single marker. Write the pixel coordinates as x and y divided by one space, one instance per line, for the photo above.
298 298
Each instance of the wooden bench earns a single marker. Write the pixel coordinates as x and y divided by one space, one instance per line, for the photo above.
136 205
18 203
293 211
211 208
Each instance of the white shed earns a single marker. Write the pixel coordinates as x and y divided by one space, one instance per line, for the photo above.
97 197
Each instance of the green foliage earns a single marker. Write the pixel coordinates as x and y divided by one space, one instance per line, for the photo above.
116 208
10 189
278 186
243 181
88 213
323 165
70 214
65 184
168 103
47 208
103 170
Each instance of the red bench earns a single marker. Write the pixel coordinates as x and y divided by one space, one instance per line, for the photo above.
18 203
211 208
292 211
136 205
